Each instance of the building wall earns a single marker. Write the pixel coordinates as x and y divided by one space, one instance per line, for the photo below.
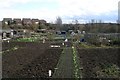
0 24
0 30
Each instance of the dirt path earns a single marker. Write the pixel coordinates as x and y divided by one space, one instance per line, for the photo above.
65 65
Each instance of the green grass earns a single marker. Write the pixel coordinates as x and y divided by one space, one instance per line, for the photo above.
26 39
12 49
65 65
77 72
84 45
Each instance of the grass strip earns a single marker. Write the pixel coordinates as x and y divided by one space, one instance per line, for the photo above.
55 71
77 72
12 49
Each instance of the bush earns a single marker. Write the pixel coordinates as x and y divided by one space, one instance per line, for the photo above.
116 42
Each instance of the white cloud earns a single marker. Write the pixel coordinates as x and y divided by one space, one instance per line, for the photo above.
9 3
89 6
69 8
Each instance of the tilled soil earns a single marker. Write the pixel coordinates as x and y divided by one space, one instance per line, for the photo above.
94 60
39 67
6 45
29 61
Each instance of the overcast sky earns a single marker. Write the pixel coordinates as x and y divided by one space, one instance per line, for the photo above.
68 10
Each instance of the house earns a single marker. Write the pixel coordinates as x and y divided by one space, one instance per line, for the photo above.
0 24
7 21
58 32
41 30
6 33
26 21
17 21
101 36
42 22
61 32
35 21
0 30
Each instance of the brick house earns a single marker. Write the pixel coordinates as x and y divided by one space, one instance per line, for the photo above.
26 21
17 21
42 21
7 21
0 24
35 21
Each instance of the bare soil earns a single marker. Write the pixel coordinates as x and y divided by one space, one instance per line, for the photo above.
94 60
31 60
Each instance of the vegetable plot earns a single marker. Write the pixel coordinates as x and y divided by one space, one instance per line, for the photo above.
100 62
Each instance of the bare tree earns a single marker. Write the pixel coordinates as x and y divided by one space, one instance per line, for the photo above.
76 21
92 21
59 22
